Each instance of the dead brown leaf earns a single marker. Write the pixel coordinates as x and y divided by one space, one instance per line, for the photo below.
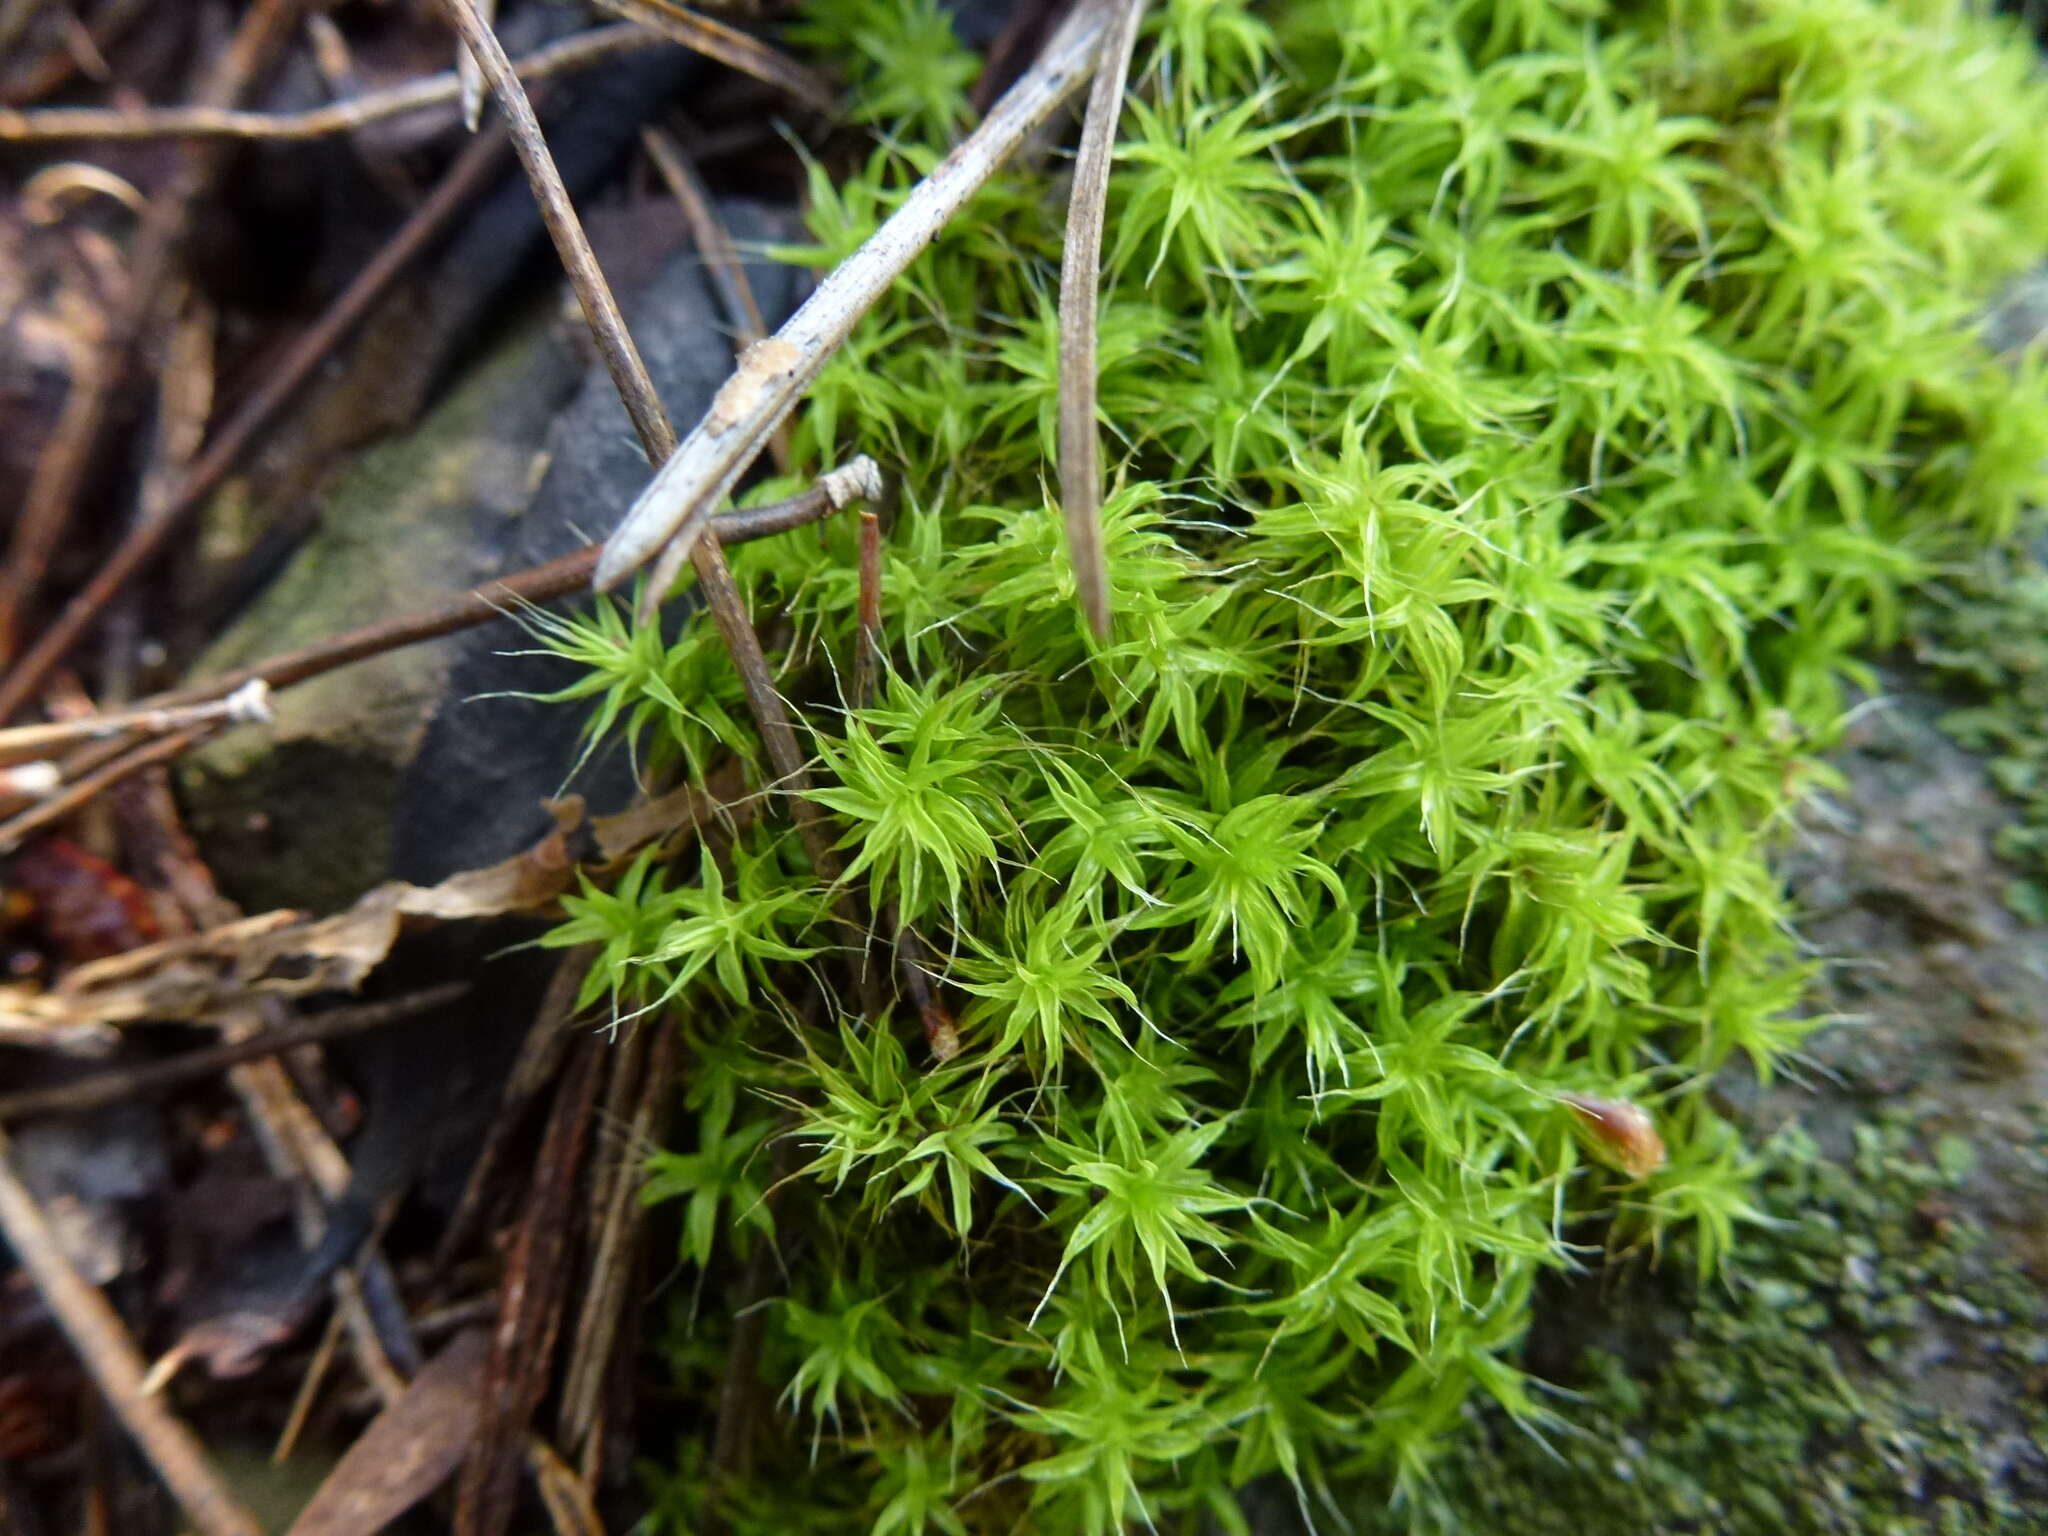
408 1451
287 954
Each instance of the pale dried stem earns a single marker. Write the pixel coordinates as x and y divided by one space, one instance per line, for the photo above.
469 80
774 374
246 705
1080 285
202 122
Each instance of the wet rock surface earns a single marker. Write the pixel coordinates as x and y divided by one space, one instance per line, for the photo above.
300 814
1943 988
1876 1358
422 762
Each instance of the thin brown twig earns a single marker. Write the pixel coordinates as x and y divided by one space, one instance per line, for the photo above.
714 244
145 542
728 45
914 969
309 1389
494 600
117 1085
79 791
46 507
184 407
92 769
103 1344
203 122
600 309
867 655
1080 293
611 1264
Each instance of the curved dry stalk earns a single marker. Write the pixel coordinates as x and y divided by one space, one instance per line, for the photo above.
728 45
774 373
1080 283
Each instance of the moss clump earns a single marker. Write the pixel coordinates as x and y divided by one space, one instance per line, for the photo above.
1527 413
1870 1369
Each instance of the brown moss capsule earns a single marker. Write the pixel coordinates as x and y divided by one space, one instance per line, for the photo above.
1617 1132
940 1034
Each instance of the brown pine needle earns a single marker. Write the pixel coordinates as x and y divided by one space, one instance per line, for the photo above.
1080 283
728 45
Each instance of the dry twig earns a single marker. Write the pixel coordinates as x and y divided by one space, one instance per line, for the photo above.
249 704
60 469
775 372
504 597
95 1331
87 774
611 1264
120 1084
213 122
1080 282
469 80
867 656
721 257
714 244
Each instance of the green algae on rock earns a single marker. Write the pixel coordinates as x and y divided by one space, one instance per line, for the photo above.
1528 415
1818 1394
